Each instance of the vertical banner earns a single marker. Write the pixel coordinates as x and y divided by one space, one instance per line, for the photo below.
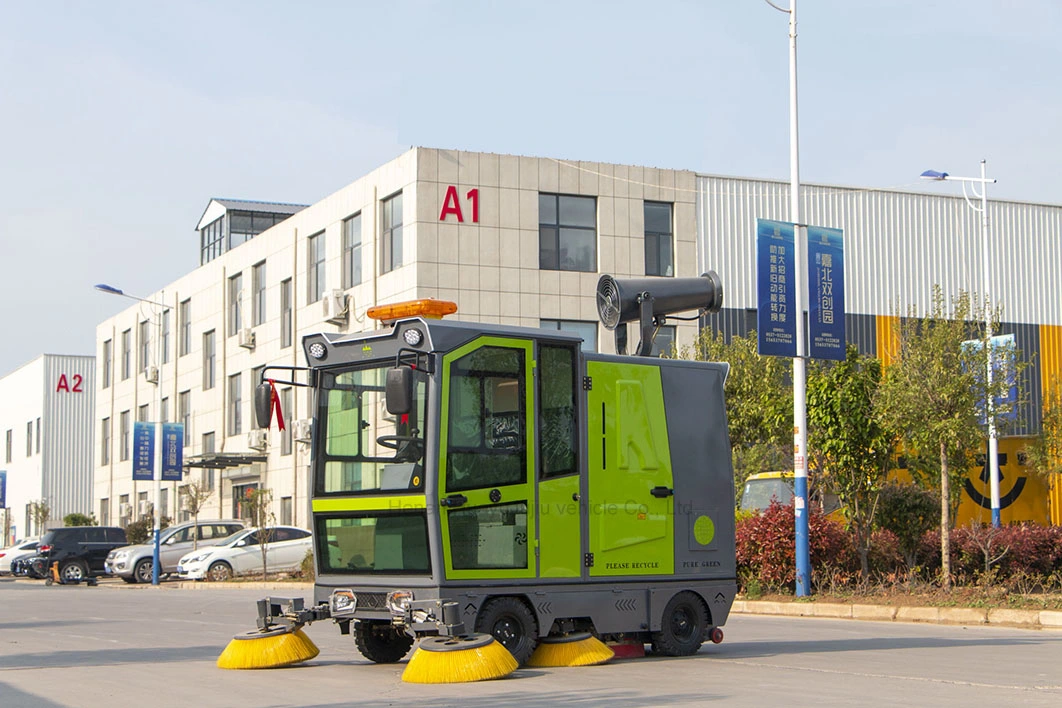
776 285
826 335
1004 368
172 452
143 451
3 493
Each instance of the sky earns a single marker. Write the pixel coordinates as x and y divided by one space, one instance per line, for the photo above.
120 120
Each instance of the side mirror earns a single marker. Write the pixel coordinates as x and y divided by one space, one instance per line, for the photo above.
242 542
399 390
263 404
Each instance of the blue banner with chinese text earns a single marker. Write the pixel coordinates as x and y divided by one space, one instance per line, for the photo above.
143 451
776 285
826 336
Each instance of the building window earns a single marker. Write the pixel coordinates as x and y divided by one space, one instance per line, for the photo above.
7 455
315 280
235 290
123 441
184 313
212 240
142 414
285 313
658 250
105 442
108 356
29 438
124 511
164 502
208 360
235 405
105 512
285 410
285 511
164 414
38 443
258 284
351 251
208 474
567 232
586 330
142 508
184 414
391 236
127 353
664 341
164 345
144 351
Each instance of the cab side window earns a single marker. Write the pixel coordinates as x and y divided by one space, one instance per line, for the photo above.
558 433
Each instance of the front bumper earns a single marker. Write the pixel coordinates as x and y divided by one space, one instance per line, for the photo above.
192 571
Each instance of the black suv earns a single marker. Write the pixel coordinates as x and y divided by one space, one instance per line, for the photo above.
80 550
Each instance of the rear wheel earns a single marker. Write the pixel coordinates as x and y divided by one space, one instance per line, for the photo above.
512 623
379 642
73 571
682 626
142 571
219 571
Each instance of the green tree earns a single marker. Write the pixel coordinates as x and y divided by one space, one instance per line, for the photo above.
78 519
40 512
194 497
1045 452
851 448
930 397
759 403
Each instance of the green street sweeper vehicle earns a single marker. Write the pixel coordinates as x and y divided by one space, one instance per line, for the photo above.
469 477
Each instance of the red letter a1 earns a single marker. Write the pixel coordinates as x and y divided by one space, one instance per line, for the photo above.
450 205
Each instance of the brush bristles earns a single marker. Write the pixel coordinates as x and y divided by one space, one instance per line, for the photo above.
268 651
583 652
478 664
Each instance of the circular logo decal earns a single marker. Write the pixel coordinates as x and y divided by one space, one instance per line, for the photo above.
703 530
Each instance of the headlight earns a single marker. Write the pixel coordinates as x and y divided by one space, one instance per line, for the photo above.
121 555
342 603
196 559
398 601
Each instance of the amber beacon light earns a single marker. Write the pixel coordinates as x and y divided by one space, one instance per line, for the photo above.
428 307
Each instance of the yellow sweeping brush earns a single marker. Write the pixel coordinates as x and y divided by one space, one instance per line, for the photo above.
469 657
280 646
580 649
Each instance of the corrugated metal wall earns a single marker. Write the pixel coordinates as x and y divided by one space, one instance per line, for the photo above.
898 245
67 435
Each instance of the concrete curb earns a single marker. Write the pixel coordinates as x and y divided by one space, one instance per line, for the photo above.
1025 619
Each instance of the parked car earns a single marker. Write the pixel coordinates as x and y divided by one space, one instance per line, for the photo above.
241 554
133 563
80 551
22 549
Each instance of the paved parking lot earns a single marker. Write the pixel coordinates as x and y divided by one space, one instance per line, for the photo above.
117 646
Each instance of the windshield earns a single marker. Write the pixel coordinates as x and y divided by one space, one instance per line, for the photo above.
760 492
366 449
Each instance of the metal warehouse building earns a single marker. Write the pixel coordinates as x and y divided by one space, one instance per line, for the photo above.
512 240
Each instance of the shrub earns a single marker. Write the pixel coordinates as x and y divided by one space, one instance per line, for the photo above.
76 519
908 512
140 531
306 567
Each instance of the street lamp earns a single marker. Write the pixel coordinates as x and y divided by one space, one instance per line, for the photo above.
158 309
993 444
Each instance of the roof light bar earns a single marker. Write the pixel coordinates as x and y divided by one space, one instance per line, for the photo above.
427 307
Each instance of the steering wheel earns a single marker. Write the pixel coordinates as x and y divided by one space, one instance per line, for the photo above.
404 445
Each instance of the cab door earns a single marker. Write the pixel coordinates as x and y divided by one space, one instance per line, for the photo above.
487 460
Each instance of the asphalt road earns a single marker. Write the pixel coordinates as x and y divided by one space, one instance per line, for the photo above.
156 647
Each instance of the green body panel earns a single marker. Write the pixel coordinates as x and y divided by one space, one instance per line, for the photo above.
480 498
390 503
558 528
631 531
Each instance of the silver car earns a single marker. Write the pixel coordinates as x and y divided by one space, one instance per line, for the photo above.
133 563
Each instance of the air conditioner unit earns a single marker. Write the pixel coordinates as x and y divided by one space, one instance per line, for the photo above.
257 439
144 507
247 338
186 502
301 430
334 305
151 373
124 510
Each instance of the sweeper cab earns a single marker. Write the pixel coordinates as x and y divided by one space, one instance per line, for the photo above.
469 477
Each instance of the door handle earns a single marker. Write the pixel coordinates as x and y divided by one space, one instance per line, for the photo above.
662 492
575 496
454 500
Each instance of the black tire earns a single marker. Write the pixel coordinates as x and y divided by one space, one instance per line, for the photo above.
512 623
142 571
73 571
682 627
128 578
219 571
379 642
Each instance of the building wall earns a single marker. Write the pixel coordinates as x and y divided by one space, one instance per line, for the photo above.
54 396
489 266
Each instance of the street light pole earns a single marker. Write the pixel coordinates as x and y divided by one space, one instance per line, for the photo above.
158 308
993 442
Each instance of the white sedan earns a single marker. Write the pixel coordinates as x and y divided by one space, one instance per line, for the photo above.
23 549
241 554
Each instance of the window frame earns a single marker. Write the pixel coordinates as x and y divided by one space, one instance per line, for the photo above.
352 251
235 305
656 238
315 267
554 231
258 288
209 359
184 314
391 232
286 314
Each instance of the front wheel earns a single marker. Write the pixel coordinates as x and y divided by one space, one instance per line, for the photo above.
511 622
381 643
142 571
219 571
682 626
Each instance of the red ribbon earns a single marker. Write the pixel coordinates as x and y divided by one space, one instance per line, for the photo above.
276 403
